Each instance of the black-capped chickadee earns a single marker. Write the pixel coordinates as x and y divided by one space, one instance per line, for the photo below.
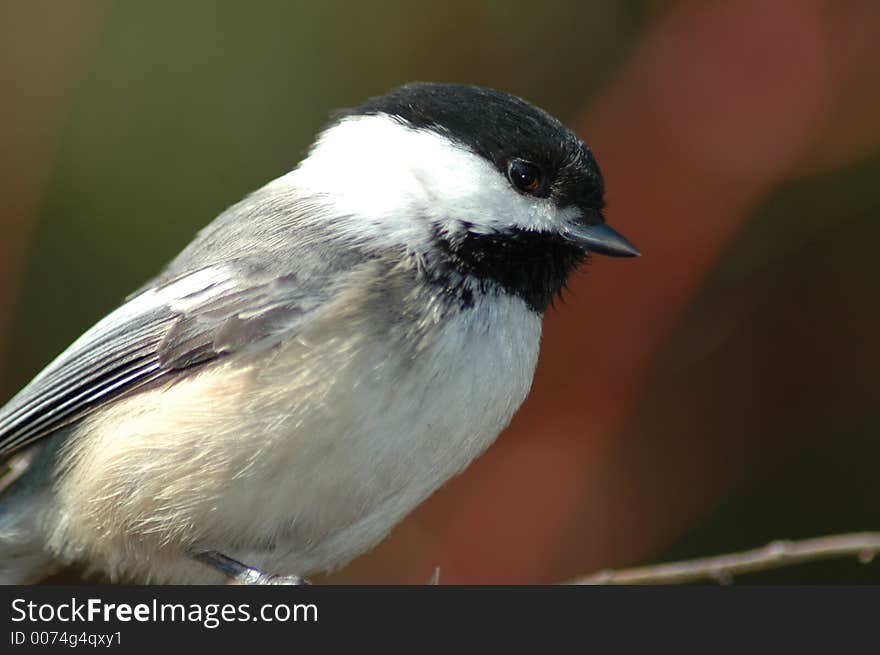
320 359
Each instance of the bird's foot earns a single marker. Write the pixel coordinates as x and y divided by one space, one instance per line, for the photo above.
239 573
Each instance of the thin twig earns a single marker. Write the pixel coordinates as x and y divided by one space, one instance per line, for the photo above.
863 545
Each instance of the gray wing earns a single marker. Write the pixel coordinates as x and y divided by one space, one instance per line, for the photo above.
179 323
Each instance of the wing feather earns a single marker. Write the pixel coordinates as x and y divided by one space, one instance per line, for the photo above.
187 321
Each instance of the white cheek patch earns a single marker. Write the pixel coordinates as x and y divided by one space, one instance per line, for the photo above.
386 180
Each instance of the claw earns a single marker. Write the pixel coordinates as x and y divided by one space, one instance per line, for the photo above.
243 574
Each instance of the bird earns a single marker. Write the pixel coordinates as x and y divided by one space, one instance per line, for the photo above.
318 360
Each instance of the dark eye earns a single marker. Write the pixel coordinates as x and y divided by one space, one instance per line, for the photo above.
524 175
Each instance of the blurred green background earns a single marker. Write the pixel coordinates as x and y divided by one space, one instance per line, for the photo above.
173 111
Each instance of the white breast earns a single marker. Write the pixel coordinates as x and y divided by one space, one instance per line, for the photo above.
295 463
405 436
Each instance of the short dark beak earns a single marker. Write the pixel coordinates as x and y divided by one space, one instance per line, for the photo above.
602 240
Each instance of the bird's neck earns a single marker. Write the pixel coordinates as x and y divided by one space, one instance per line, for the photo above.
531 265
